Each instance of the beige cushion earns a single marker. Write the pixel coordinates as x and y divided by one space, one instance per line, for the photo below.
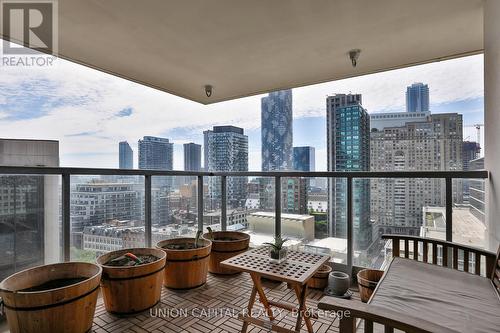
460 301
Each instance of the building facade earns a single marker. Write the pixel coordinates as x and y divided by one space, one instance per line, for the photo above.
304 159
156 153
417 98
294 195
436 144
277 131
348 144
126 155
379 121
470 151
227 150
29 214
192 157
95 204
477 191
295 191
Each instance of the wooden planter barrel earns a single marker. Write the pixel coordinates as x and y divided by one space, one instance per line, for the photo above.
320 279
131 289
67 309
367 282
186 269
225 249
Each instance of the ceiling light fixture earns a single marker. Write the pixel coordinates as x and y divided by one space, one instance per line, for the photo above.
208 90
354 55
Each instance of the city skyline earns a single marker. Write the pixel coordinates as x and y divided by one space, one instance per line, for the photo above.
94 115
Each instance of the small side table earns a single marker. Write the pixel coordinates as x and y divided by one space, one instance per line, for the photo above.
297 270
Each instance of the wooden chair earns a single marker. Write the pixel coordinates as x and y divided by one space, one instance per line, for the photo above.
436 252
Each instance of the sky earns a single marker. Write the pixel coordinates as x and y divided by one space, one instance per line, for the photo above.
89 112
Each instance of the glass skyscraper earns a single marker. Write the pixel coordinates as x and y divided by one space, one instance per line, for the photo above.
227 150
156 153
126 155
277 131
417 98
304 158
348 134
192 157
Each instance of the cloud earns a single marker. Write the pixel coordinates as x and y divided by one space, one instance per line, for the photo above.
127 112
81 134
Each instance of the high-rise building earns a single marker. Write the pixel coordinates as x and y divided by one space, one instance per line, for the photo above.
192 157
470 151
29 214
295 190
205 149
348 144
156 153
417 98
435 144
277 131
227 150
126 158
304 158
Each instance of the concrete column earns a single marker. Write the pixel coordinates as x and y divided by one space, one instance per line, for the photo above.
492 119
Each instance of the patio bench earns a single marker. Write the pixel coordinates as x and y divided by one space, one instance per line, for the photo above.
442 287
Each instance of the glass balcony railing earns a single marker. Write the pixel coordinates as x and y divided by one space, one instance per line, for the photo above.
57 214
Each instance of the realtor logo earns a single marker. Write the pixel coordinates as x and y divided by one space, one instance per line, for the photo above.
32 24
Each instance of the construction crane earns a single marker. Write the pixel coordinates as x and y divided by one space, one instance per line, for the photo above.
478 131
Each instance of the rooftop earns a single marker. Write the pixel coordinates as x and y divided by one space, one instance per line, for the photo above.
297 217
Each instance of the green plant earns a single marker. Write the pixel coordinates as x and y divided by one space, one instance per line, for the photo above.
277 245
197 238
210 233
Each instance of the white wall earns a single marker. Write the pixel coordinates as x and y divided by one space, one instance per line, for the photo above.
492 118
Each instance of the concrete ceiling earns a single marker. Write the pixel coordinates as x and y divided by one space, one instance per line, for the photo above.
247 47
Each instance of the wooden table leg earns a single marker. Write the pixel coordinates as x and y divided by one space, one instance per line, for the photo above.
249 308
301 292
263 299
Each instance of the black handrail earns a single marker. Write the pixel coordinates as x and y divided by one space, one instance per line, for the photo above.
67 172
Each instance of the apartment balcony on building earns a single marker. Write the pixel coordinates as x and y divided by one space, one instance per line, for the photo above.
324 166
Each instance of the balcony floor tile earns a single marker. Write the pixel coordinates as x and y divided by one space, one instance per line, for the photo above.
229 294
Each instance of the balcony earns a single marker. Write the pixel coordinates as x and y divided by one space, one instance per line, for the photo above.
214 52
117 222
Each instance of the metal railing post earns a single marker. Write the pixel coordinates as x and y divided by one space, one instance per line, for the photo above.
200 203
277 206
223 215
66 216
147 210
449 208
350 227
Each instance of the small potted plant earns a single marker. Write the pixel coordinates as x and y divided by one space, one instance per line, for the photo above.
277 252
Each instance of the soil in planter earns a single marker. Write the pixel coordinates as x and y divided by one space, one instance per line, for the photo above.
180 246
226 239
126 261
53 284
